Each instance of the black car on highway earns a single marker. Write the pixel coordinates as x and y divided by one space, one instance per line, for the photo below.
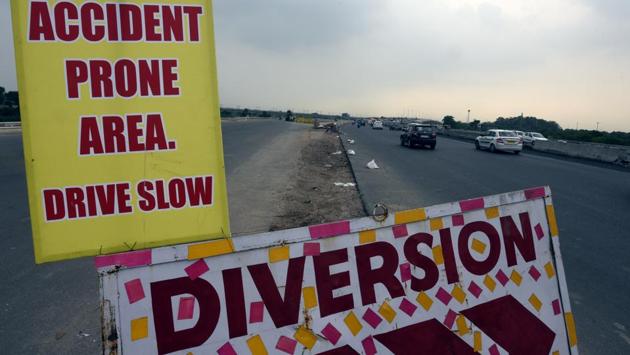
418 134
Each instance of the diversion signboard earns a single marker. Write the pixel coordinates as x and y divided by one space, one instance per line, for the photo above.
121 126
475 276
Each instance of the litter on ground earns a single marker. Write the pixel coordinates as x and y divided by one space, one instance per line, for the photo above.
372 164
345 184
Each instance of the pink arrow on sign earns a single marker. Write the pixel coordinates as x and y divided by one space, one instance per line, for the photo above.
512 326
429 337
504 320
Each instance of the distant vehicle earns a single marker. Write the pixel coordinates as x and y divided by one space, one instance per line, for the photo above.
530 138
520 133
419 134
377 125
500 139
395 126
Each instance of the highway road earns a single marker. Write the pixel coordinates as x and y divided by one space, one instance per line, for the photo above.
53 308
592 206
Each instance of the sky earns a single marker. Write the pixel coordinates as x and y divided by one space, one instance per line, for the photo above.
561 60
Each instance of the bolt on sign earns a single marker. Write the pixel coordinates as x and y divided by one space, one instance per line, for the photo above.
121 126
475 276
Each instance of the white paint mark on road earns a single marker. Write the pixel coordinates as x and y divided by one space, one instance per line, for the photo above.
621 331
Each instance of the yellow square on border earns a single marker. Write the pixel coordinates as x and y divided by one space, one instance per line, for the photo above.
310 298
425 301
409 216
305 337
387 312
353 323
436 224
277 254
256 345
366 237
492 212
139 328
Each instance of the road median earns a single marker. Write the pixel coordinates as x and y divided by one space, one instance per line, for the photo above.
312 197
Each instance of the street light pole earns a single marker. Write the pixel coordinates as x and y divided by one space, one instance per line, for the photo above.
468 119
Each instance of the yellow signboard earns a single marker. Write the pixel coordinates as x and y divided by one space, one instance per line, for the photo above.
121 125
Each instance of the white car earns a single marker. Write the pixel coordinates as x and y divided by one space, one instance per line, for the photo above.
500 139
377 125
530 138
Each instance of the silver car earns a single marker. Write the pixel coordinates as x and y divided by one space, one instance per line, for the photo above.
531 138
500 139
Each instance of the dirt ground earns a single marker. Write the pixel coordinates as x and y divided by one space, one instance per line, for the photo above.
312 197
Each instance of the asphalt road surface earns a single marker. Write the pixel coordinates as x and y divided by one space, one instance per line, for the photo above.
592 206
53 308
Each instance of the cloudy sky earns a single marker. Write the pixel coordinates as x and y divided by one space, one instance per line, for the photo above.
563 60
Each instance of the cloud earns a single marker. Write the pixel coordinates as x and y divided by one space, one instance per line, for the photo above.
564 60
618 10
7 60
279 25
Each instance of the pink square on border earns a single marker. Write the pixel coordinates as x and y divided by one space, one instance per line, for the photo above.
503 279
226 349
405 272
534 273
407 307
186 308
443 296
474 289
368 345
400 231
458 220
331 333
556 306
449 320
196 269
539 231
372 318
311 249
256 312
286 345
134 289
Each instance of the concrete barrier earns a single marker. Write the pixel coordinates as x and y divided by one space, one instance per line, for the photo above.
607 153
460 133
10 124
10 127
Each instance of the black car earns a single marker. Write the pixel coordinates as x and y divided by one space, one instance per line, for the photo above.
395 126
417 134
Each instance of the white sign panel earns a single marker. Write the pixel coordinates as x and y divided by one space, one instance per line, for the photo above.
474 276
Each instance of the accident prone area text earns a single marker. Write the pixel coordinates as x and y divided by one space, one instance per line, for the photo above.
345 279
120 78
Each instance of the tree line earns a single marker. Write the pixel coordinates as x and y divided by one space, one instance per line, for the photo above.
549 129
282 115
